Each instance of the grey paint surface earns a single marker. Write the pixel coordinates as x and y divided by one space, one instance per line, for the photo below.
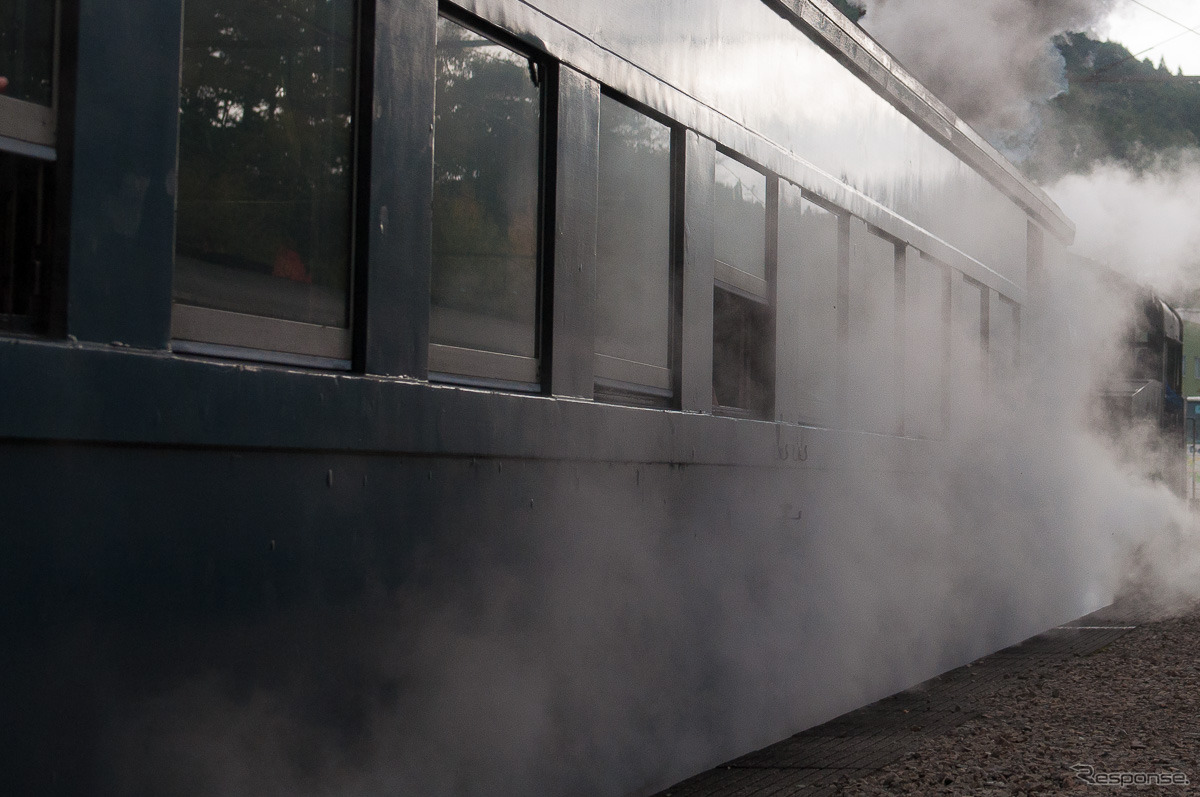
574 277
698 206
122 210
394 227
370 610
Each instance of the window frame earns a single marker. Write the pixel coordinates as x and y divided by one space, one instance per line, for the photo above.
729 276
230 334
29 136
619 380
759 293
30 129
478 367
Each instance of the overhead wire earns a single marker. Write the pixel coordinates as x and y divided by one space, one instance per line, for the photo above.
1186 30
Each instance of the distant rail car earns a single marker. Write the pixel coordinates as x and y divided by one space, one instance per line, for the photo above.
1149 387
494 397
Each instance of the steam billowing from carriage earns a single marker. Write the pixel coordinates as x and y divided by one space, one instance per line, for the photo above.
513 397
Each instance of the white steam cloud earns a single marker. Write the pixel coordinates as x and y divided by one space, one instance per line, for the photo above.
640 626
992 61
1142 223
638 623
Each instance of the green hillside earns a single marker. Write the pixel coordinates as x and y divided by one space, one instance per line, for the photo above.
1115 107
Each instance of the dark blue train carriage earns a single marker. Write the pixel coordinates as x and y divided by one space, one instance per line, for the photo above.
479 397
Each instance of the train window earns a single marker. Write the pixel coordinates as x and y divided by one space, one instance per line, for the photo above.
28 62
741 222
487 152
875 377
926 344
743 382
969 344
743 312
809 253
266 175
633 255
24 242
1004 335
27 69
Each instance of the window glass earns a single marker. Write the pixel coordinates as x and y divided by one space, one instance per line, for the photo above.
485 195
874 368
925 345
266 158
808 293
968 373
743 368
633 241
27 49
24 241
741 217
967 344
1003 340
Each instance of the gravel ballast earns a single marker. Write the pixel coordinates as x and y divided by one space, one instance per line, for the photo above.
1109 702
1130 707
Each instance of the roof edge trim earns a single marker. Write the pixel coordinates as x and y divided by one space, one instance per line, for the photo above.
879 69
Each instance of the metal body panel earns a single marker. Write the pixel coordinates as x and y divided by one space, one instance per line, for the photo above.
134 398
875 361
745 76
393 294
126 109
326 619
366 582
700 158
807 311
574 278
27 122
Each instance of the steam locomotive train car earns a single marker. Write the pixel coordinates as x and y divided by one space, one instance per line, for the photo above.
1149 389
1154 385
485 397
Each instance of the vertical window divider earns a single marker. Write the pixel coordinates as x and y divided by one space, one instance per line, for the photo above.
489 296
392 292
1016 311
771 343
678 222
124 94
573 282
947 280
901 278
696 362
852 229
65 79
985 329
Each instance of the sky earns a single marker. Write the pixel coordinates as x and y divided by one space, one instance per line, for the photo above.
1139 28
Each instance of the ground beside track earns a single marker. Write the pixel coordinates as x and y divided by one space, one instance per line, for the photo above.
1117 691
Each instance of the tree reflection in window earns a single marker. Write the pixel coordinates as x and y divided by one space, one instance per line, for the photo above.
485 195
741 216
27 49
266 158
633 237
